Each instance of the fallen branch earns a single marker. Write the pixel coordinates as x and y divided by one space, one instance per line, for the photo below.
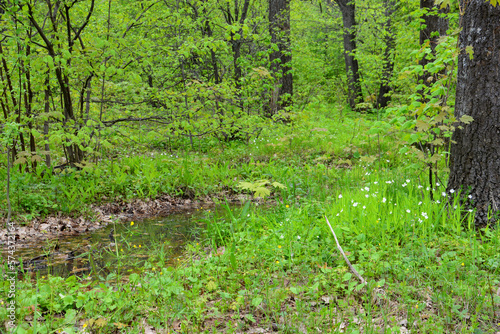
156 119
355 272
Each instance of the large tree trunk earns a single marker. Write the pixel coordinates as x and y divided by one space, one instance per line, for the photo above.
475 154
348 9
279 28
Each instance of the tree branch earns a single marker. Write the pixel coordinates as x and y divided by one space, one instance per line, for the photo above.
355 272
157 119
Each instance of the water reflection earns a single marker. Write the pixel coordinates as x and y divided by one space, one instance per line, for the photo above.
118 248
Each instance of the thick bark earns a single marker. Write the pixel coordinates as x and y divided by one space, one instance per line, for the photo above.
348 10
279 29
475 154
383 98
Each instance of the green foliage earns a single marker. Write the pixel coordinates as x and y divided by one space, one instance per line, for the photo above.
162 104
259 187
425 124
413 251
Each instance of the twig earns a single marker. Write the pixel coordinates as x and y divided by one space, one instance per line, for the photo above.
9 207
343 254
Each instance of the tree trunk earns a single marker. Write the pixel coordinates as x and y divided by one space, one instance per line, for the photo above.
383 98
236 43
475 154
348 8
435 26
279 29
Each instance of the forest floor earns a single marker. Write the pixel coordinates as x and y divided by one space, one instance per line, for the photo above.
48 227
278 270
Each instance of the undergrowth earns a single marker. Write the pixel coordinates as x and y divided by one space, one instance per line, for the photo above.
263 269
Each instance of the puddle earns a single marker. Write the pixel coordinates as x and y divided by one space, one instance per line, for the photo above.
120 248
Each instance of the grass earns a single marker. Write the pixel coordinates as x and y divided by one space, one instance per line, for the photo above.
276 268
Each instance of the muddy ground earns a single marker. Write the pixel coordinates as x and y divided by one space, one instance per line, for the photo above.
50 227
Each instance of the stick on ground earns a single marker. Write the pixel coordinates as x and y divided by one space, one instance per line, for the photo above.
355 272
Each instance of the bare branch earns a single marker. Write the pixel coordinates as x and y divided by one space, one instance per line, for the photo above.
355 272
156 119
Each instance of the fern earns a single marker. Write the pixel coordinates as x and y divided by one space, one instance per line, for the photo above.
259 187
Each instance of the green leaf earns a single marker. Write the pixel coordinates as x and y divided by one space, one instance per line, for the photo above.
346 277
422 125
211 286
403 150
133 277
256 301
245 185
466 119
442 3
70 315
250 317
470 50
68 300
262 192
278 185
435 158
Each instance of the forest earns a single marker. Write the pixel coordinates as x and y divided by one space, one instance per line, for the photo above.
249 166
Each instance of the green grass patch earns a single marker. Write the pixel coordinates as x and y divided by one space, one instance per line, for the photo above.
276 268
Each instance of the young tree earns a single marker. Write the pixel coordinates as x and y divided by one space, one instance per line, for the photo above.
434 26
279 29
475 154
